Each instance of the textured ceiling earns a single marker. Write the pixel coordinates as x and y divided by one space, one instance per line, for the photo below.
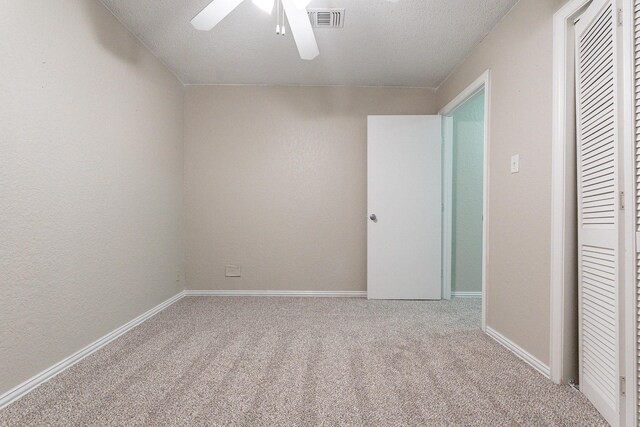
409 43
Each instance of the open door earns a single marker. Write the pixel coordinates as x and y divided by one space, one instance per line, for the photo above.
405 207
600 221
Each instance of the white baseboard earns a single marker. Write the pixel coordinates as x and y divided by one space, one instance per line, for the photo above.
462 294
520 352
44 376
245 293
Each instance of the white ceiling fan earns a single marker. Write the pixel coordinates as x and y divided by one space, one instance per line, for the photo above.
295 10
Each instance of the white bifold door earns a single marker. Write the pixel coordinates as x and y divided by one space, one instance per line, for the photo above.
635 189
405 207
600 219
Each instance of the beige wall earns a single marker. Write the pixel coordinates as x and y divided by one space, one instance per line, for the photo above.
91 165
90 181
519 53
275 181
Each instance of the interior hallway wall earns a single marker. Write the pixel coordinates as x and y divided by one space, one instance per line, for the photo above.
467 192
276 182
90 181
519 53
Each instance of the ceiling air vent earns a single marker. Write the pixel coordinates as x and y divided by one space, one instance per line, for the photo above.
326 18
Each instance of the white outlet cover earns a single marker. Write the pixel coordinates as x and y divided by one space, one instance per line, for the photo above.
515 163
232 271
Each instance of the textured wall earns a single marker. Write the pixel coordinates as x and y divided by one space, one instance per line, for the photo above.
519 53
276 181
90 181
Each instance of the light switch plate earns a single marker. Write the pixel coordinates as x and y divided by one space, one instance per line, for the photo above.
515 163
232 271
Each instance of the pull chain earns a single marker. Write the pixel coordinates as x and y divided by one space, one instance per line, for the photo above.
283 21
280 19
277 17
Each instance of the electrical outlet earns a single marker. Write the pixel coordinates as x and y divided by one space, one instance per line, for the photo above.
232 271
178 276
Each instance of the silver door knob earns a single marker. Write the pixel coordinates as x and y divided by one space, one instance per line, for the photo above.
373 218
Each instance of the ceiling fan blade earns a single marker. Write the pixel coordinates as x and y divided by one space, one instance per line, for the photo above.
211 15
301 30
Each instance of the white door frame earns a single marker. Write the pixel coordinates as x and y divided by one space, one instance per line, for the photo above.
481 83
563 76
562 70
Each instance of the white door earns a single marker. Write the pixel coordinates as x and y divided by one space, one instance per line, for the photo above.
600 220
405 207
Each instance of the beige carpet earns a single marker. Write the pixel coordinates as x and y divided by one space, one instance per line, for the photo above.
210 361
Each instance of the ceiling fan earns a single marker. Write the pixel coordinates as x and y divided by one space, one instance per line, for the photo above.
296 14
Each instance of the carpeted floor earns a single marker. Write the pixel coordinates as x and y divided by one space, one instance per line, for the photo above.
211 361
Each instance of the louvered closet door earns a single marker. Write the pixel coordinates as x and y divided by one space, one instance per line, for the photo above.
636 30
599 216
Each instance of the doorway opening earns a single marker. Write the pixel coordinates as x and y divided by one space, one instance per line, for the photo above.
465 192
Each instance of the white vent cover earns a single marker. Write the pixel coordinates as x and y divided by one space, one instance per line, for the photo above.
326 18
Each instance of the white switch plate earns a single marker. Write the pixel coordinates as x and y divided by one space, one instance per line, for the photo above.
232 271
515 163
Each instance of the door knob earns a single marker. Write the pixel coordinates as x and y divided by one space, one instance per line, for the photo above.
373 218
